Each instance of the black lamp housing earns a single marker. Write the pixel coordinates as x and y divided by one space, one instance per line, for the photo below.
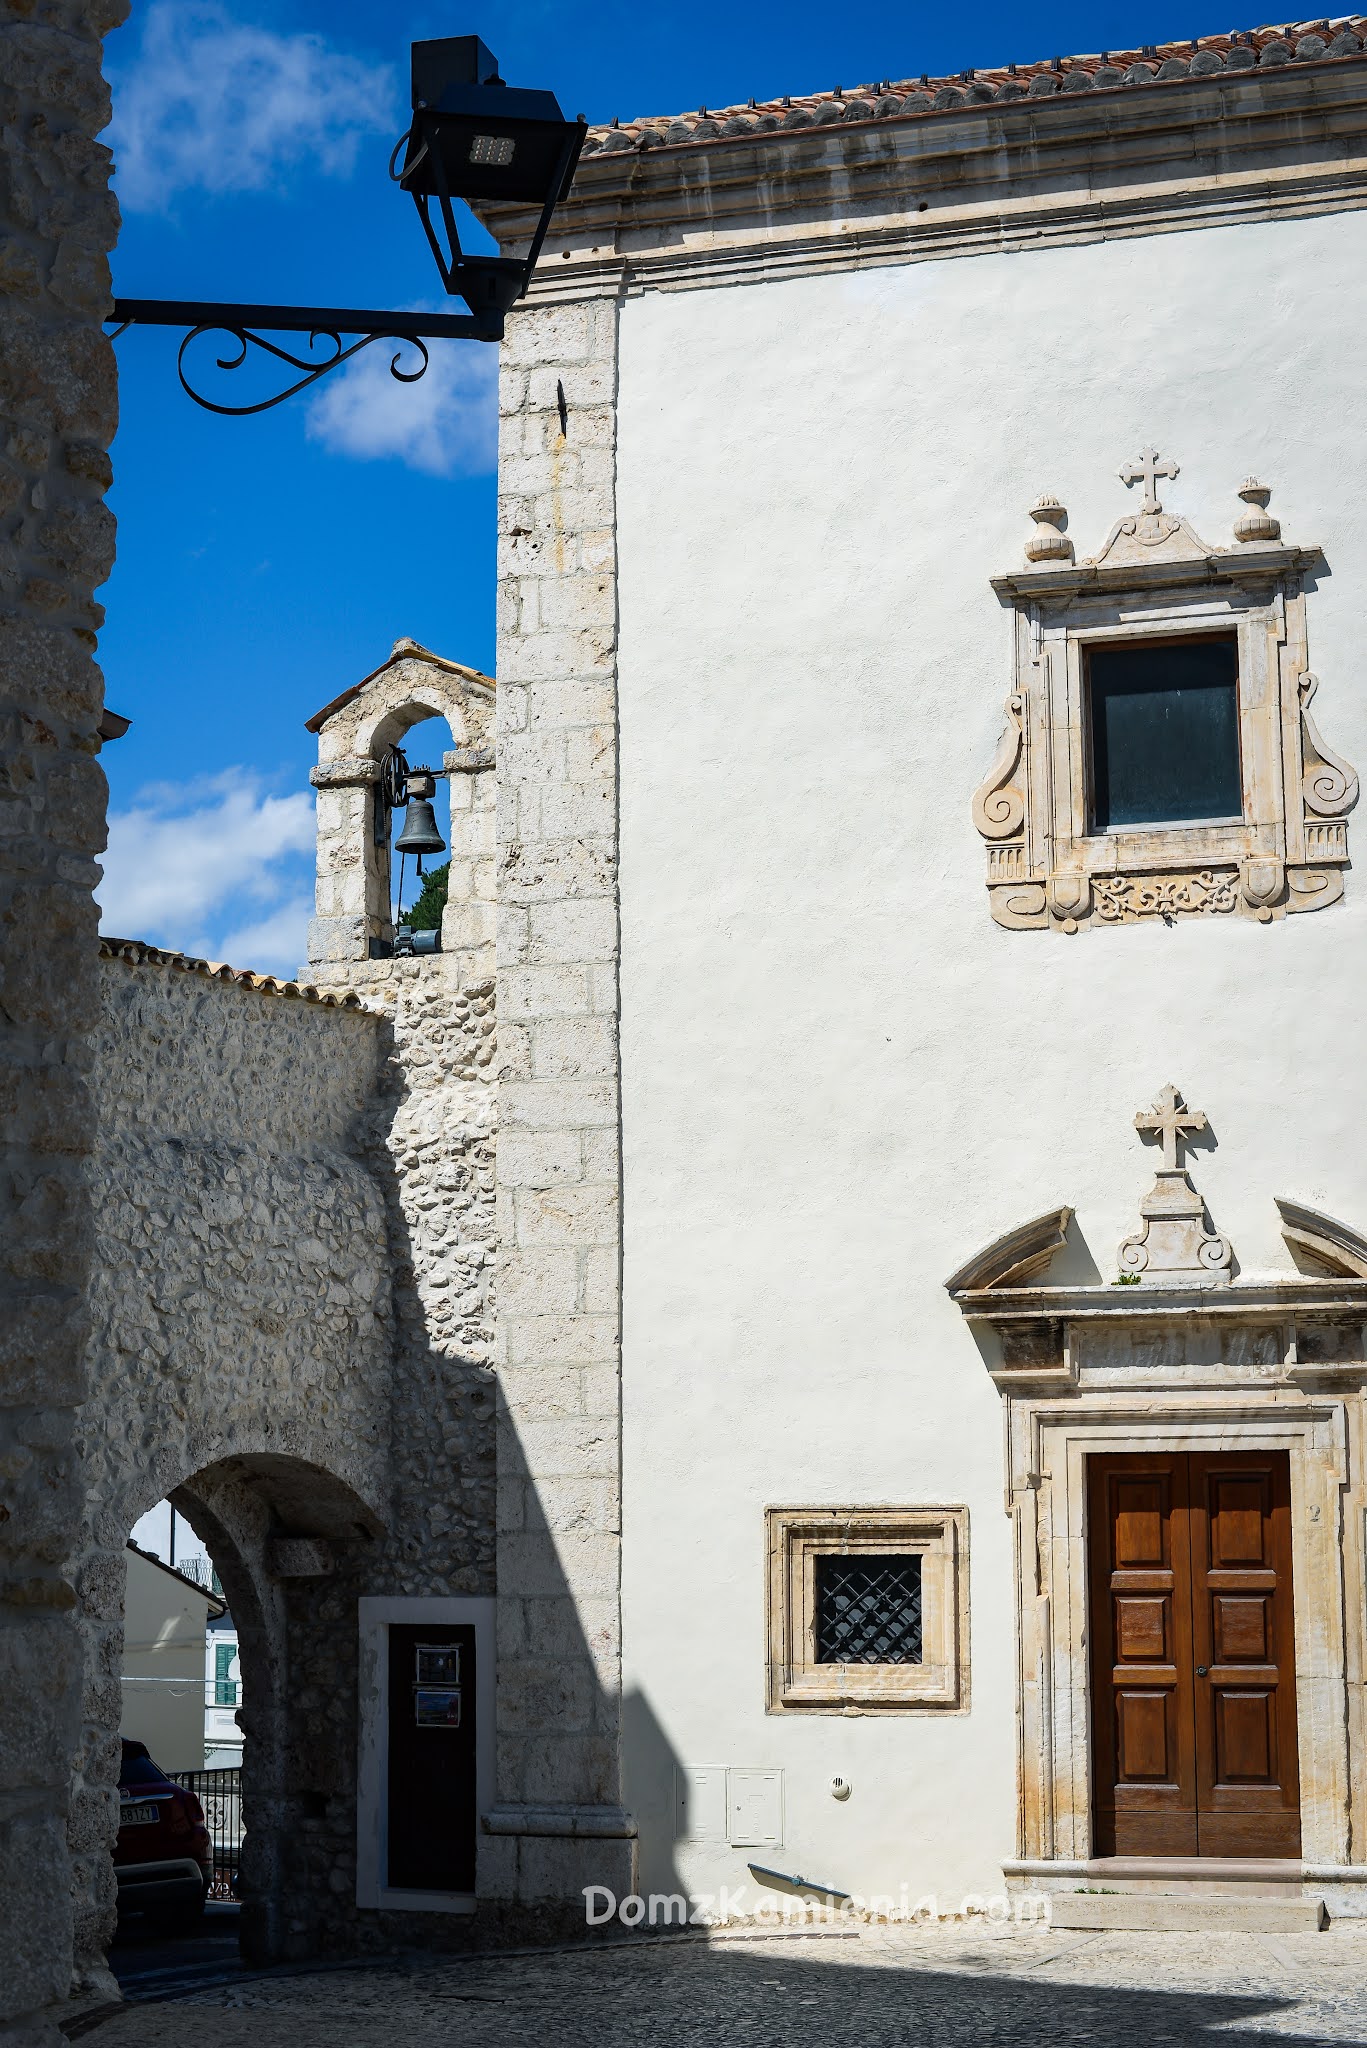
473 137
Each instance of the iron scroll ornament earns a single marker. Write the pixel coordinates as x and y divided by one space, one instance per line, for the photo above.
319 323
313 370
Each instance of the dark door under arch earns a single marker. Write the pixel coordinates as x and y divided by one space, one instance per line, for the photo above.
1193 1682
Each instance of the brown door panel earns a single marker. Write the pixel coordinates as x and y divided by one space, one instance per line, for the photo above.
1192 1654
1243 1629
1140 1649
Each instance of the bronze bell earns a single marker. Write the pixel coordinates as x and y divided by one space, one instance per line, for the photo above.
420 834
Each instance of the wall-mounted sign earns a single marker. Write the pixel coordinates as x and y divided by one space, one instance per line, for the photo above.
436 1706
437 1663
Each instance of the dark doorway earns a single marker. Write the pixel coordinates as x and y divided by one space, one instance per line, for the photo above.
1193 1663
432 1809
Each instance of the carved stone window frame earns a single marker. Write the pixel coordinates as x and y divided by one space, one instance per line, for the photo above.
1155 580
796 1537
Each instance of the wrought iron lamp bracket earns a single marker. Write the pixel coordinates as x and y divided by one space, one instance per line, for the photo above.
319 323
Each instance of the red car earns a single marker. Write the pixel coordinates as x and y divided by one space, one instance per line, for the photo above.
163 1858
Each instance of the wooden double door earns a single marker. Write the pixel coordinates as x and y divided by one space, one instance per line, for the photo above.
1192 1655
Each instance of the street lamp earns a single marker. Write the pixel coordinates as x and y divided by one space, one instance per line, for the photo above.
471 137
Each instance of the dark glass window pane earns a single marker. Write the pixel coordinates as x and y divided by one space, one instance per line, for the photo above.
1165 732
140 1770
868 1609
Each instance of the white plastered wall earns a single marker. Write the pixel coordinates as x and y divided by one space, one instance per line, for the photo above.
839 1078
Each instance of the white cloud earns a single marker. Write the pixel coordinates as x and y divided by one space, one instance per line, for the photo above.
446 423
224 106
217 868
275 944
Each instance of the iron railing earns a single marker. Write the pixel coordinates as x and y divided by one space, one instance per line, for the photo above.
220 1794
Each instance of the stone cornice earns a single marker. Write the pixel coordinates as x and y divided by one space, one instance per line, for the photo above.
1242 565
1050 1337
1241 1301
1198 153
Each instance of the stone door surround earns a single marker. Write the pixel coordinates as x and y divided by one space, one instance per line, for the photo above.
1278 1364
1049 1443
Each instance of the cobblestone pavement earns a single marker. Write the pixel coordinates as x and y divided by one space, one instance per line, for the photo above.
952 1986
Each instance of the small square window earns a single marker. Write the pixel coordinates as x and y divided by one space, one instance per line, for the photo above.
1164 717
868 1609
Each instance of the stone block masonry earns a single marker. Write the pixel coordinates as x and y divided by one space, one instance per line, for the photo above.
428 1137
58 411
559 1172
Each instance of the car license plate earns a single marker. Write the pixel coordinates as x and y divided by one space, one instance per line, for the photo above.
129 1816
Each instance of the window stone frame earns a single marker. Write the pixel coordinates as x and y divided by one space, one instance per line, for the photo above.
1155 579
795 1537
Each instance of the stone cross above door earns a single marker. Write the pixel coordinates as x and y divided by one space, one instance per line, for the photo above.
1170 1120
1173 1248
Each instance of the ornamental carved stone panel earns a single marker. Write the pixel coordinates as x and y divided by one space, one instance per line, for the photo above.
1050 863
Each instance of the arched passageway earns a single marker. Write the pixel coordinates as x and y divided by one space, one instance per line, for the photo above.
288 1541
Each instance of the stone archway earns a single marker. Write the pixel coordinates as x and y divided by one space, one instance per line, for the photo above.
290 1541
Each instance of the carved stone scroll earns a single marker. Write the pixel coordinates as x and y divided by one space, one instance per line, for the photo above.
999 805
1120 899
1330 785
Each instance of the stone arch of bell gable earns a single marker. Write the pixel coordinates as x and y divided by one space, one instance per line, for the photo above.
401 696
390 727
353 898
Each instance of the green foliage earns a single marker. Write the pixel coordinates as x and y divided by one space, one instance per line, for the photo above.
425 916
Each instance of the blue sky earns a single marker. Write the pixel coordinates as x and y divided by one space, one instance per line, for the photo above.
265 564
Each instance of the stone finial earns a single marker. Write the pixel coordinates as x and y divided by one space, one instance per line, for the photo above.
1049 542
1257 524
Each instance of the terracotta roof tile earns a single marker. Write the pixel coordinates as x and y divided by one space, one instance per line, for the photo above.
888 99
138 954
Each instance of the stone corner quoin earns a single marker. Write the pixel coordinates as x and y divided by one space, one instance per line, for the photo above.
558 1161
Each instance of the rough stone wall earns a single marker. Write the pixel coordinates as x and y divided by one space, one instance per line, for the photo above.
57 418
239 1304
559 1527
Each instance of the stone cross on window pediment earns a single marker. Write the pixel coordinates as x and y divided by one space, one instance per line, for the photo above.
1147 471
1170 1120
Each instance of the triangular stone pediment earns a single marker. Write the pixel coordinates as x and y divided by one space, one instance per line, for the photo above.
1147 538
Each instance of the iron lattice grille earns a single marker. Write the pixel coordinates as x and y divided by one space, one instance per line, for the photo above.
868 1609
